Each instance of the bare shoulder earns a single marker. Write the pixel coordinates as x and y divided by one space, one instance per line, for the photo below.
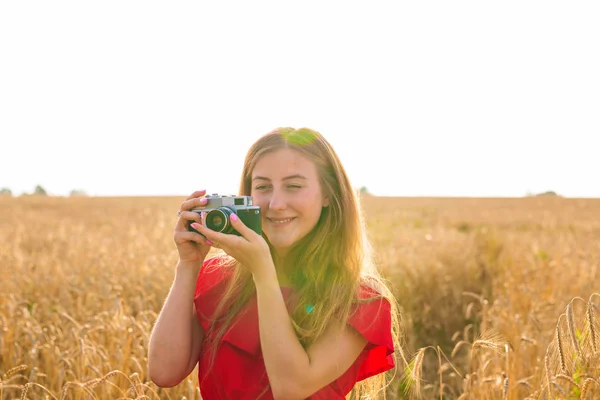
371 288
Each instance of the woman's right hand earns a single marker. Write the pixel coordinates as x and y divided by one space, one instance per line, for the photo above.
192 246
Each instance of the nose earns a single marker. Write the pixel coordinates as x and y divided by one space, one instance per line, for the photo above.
277 201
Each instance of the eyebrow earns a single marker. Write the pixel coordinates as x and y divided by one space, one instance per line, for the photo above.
295 176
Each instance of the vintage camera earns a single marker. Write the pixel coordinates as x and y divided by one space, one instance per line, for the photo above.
218 209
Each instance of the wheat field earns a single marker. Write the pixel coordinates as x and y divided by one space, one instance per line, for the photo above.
500 297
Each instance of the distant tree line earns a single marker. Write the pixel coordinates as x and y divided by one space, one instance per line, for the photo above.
543 194
40 191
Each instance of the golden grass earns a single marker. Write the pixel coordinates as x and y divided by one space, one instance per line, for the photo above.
500 290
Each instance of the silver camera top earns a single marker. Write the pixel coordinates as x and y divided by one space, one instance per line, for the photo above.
216 200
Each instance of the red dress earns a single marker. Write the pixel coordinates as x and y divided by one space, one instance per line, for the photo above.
239 371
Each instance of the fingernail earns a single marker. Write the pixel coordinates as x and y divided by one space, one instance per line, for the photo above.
195 225
209 242
234 217
203 200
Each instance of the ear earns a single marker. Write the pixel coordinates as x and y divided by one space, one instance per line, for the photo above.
326 202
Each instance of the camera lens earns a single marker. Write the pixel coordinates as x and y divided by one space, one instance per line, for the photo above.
218 219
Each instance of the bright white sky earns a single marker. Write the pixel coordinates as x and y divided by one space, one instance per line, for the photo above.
423 98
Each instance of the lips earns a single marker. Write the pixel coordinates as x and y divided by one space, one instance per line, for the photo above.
280 220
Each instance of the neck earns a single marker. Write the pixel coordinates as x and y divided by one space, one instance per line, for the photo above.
278 257
279 261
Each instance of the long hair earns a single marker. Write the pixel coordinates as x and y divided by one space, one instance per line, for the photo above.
328 265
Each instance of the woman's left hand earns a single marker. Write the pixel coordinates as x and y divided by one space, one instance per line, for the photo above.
250 249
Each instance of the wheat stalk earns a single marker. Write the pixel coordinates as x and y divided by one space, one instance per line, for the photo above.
547 368
559 345
571 328
26 389
92 383
457 347
14 370
559 388
568 379
529 340
525 382
490 340
592 328
417 369
586 386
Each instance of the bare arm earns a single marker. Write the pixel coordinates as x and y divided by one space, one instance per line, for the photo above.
295 373
177 335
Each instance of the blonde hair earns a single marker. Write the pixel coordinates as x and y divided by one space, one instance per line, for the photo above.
328 265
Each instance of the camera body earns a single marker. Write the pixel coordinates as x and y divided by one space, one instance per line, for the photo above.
218 209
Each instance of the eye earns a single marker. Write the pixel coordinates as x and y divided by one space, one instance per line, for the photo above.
294 186
261 187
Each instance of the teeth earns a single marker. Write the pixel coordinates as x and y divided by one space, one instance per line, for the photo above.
280 221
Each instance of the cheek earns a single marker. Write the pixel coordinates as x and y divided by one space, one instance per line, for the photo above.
317 214
260 201
313 207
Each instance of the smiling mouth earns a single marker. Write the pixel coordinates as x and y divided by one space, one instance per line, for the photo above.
280 220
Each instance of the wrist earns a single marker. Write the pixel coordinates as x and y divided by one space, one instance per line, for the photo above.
266 278
186 267
186 278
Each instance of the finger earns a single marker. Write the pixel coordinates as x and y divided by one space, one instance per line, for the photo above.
193 203
197 193
239 226
191 216
223 239
185 217
188 236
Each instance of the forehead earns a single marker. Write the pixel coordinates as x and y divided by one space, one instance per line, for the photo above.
284 162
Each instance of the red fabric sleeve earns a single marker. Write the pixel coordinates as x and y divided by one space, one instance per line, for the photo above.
210 286
373 320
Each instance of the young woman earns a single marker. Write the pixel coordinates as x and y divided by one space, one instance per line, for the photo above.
297 312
